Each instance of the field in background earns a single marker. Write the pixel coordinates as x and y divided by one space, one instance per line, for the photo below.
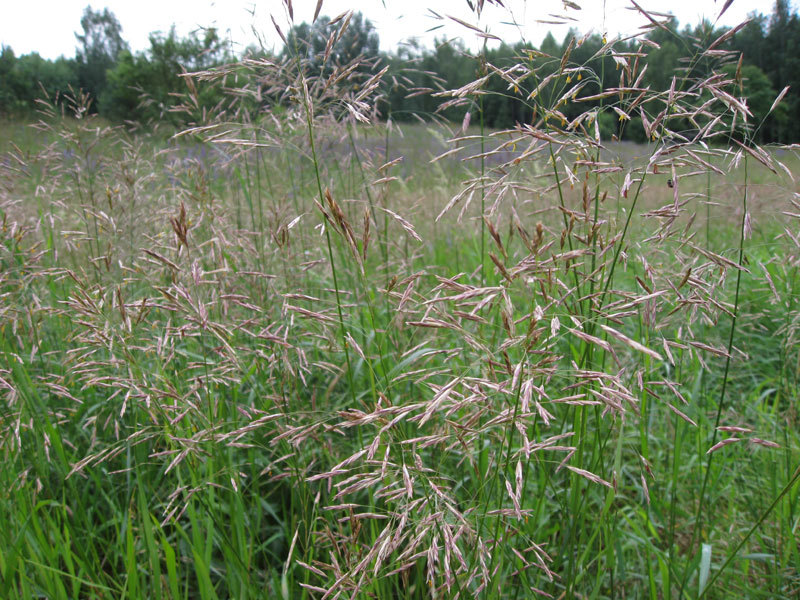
288 355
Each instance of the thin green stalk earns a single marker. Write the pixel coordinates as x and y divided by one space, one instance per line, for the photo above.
497 483
732 555
342 329
483 170
725 377
708 210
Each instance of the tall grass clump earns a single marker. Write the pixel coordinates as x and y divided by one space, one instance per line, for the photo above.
298 350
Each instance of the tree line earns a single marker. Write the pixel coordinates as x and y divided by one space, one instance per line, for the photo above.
123 85
147 86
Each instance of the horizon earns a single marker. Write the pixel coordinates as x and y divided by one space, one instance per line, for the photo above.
395 26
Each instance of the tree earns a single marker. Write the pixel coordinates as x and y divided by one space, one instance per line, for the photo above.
750 40
146 86
550 45
27 78
100 47
760 94
782 64
8 81
358 42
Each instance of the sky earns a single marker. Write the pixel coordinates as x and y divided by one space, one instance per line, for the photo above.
48 27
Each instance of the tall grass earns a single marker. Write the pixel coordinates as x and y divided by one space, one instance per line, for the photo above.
295 351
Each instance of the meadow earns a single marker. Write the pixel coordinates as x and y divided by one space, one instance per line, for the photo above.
299 351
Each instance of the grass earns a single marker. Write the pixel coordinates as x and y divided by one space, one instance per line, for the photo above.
263 359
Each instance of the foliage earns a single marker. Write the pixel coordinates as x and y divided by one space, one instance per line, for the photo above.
147 86
100 47
324 44
143 86
27 78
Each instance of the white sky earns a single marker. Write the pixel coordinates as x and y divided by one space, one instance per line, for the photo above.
48 26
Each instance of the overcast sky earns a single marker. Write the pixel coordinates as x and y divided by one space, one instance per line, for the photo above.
48 26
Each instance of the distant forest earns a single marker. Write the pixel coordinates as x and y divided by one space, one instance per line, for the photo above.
144 87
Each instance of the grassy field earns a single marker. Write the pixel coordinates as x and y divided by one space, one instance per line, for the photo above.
282 354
